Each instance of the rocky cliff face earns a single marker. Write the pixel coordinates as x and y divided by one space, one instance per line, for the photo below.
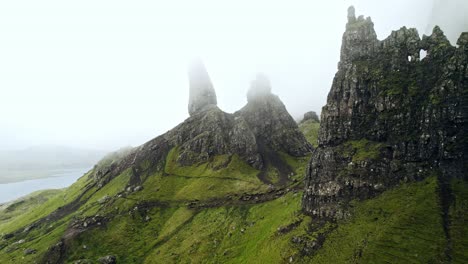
390 116
270 122
256 133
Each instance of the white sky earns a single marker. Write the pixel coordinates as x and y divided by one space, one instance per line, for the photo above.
106 74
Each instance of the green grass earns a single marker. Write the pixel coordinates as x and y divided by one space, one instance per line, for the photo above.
362 149
219 166
149 230
402 225
221 176
233 234
459 221
180 235
9 211
299 165
46 208
173 187
310 130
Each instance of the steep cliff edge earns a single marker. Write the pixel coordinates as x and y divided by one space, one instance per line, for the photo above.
390 116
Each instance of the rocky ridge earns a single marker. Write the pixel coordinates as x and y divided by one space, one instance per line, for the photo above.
255 133
390 117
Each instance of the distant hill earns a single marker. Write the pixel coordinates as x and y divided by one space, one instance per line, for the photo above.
42 161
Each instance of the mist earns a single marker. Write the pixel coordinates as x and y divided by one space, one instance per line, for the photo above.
108 74
450 16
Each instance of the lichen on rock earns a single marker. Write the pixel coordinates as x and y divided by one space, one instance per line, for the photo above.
390 117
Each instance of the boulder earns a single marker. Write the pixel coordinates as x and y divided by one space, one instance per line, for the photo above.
30 251
108 260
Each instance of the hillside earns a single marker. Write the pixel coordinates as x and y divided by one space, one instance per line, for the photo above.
309 126
385 174
239 165
181 221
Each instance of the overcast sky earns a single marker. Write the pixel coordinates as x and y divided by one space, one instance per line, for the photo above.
106 74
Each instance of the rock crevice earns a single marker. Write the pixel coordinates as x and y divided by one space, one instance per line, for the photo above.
390 117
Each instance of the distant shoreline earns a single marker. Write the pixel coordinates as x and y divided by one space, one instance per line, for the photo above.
13 176
56 179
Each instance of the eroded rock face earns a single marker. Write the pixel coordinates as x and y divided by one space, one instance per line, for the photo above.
270 122
263 125
390 116
214 132
256 133
310 116
202 94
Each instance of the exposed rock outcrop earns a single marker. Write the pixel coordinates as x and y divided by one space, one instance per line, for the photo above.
310 116
202 94
108 260
270 122
263 123
390 117
255 133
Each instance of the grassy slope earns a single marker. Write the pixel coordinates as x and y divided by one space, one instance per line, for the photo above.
176 186
459 217
10 211
45 208
165 231
401 225
39 238
310 130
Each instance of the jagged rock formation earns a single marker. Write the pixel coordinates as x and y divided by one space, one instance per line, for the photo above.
389 117
202 94
260 88
263 123
255 133
214 132
310 116
270 122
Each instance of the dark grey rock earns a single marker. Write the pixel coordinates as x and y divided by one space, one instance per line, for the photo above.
202 94
108 260
270 122
255 133
83 261
351 14
30 251
104 199
310 116
390 117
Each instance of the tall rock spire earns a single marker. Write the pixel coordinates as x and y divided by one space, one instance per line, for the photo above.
351 14
202 94
259 88
272 125
359 39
